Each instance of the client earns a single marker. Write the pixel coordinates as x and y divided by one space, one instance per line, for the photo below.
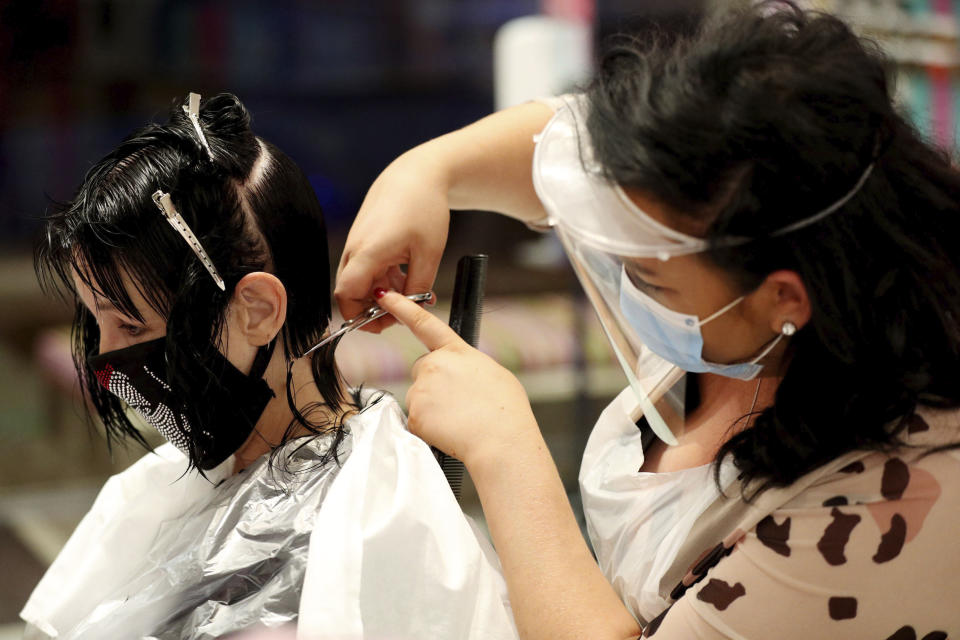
196 254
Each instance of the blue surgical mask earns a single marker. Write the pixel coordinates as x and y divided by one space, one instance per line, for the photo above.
676 336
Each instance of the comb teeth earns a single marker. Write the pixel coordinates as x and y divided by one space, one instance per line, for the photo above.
453 470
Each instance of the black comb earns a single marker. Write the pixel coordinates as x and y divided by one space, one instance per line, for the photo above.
465 310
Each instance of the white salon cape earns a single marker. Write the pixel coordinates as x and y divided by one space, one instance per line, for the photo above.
638 521
376 547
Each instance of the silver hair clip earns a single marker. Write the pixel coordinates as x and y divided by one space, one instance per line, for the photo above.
165 204
192 109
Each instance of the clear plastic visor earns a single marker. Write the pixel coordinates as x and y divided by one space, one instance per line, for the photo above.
657 384
576 195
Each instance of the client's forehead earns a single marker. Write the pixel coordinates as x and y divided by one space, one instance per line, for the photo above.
97 299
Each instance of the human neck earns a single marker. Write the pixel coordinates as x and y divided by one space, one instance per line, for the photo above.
277 416
723 402
725 399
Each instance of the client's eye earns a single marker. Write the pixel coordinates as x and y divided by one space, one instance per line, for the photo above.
132 330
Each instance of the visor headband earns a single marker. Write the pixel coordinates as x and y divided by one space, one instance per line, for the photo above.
823 214
599 213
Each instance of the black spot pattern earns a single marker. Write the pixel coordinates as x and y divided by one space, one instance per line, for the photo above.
903 633
720 594
853 467
842 608
896 477
774 536
832 544
916 424
891 542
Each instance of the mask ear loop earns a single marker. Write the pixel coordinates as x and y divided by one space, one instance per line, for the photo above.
262 359
257 369
756 395
787 329
717 314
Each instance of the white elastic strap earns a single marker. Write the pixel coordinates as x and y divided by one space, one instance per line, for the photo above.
763 354
823 214
719 313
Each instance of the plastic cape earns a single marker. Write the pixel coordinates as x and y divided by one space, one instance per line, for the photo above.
377 547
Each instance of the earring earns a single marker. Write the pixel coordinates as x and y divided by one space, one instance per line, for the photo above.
788 328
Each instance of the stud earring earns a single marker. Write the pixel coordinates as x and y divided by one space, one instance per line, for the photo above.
788 328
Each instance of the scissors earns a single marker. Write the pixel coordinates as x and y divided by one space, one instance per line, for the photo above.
365 318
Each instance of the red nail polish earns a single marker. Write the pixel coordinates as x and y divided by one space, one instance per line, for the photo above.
379 292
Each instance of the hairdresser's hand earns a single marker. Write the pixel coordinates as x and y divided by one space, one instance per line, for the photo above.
403 220
470 407
406 215
461 401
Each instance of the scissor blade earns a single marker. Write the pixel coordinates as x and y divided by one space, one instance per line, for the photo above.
330 338
368 316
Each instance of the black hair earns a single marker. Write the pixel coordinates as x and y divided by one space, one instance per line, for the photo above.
252 209
768 115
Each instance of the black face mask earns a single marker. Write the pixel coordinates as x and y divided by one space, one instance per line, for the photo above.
233 401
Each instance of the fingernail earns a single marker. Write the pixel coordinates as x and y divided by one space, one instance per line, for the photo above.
379 292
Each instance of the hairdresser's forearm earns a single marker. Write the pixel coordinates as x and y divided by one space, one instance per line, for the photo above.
557 591
487 165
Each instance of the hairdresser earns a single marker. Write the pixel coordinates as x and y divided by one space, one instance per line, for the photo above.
749 207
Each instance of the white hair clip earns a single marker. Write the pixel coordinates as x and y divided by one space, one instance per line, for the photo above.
165 204
192 109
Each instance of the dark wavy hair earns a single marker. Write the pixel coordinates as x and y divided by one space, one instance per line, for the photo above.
768 115
252 209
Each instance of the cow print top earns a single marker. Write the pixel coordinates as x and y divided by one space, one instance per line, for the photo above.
869 548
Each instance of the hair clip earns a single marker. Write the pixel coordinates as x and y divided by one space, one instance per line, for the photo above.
192 109
165 204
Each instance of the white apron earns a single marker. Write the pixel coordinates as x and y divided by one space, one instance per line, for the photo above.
636 521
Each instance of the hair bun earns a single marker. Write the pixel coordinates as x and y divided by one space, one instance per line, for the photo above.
226 124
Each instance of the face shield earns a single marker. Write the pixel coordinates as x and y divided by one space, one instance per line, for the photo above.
658 385
603 233
601 230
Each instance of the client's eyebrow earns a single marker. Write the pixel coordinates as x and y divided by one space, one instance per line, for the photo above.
105 304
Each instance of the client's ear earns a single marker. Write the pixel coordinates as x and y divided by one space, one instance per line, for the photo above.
259 306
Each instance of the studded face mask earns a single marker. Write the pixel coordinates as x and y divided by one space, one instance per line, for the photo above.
138 376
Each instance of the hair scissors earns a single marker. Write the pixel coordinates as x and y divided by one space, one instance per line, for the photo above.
365 318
